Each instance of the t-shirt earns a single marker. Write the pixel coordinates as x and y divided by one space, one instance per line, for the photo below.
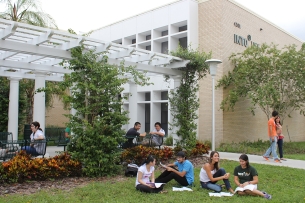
145 174
40 145
245 174
132 132
157 139
68 130
272 124
188 167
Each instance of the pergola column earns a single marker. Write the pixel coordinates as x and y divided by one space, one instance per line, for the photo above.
39 99
133 104
13 108
177 82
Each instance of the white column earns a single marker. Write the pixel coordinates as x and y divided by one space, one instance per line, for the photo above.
39 100
177 82
13 109
133 104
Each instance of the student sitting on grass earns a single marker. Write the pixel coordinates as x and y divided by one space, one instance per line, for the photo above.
145 172
246 178
210 173
184 175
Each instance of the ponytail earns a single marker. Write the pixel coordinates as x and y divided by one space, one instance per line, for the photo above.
149 159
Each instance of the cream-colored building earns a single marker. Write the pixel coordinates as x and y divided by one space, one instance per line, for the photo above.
220 26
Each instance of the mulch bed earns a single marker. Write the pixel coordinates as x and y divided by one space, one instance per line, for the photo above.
69 183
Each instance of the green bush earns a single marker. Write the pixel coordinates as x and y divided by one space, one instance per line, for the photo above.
169 141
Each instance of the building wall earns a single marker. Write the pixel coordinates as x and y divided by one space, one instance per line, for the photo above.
55 114
216 34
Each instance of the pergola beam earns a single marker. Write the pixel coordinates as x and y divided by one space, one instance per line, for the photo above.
29 76
32 66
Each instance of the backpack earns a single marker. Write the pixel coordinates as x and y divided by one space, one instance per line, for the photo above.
131 170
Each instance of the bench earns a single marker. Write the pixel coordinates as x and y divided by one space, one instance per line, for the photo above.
41 146
8 145
62 140
150 142
52 134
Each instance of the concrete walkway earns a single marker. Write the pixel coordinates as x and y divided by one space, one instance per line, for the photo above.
54 150
292 163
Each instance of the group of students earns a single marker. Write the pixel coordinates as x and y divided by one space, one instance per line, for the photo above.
244 175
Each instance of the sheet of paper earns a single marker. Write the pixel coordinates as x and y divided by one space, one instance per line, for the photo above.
164 166
182 189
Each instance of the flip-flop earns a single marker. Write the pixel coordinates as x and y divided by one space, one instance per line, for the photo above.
163 192
283 159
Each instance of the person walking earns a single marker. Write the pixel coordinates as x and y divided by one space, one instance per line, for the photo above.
280 136
273 138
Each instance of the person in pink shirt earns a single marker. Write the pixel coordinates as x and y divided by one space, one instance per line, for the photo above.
280 137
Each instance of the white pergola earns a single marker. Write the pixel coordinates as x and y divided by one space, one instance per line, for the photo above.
33 52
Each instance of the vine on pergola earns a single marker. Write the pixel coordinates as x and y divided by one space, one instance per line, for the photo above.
184 101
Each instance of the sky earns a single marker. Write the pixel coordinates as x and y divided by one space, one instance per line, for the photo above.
83 16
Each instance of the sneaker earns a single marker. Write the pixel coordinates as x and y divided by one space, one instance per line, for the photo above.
267 158
277 161
267 196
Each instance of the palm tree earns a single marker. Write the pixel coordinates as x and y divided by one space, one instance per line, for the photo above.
27 11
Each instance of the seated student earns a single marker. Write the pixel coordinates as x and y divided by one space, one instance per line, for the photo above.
184 175
133 132
210 173
246 178
156 134
146 172
3 152
67 134
37 148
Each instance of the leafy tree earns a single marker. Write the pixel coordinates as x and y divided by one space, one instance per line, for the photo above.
95 87
27 11
271 78
184 101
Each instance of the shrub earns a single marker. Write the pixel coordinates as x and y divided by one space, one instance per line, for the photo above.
169 141
139 153
22 168
199 149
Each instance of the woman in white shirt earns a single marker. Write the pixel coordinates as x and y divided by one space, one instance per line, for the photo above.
210 173
146 175
37 148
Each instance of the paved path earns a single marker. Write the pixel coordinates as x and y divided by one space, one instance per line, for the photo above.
292 163
53 150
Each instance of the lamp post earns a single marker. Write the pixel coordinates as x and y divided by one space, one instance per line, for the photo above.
213 67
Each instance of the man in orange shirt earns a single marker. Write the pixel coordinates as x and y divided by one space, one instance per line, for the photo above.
273 138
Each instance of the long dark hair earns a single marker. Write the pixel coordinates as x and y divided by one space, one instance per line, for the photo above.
216 166
149 159
279 121
245 158
36 124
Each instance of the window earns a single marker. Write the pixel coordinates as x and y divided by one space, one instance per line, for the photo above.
183 42
164 117
148 47
164 33
147 96
148 37
133 41
164 95
164 47
182 28
147 117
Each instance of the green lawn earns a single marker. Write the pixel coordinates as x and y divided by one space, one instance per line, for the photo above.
284 184
295 156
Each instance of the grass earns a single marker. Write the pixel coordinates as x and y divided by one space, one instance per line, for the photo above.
292 150
284 184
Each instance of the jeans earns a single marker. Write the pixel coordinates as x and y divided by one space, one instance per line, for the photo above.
272 149
280 146
30 150
167 176
212 185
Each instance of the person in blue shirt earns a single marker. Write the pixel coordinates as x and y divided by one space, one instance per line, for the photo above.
184 175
